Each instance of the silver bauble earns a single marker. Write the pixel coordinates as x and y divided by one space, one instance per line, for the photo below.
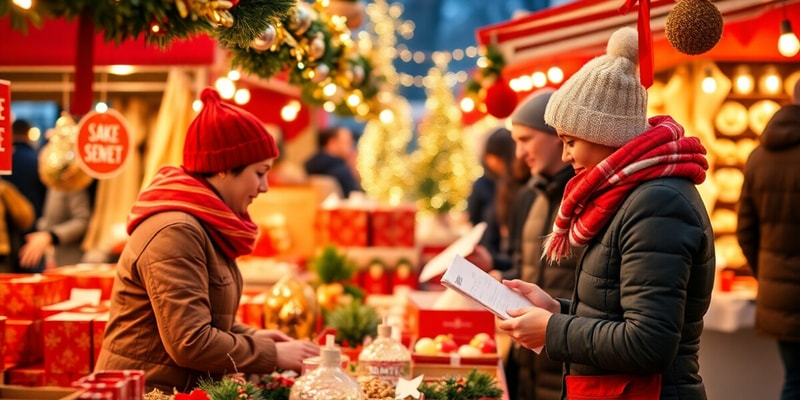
316 48
321 72
300 20
358 74
58 161
265 41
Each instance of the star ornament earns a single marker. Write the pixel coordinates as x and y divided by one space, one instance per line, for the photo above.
407 388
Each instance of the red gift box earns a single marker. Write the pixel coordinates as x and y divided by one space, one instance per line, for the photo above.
393 226
60 380
23 295
68 343
114 385
88 276
98 332
2 341
463 324
342 226
251 310
26 376
23 342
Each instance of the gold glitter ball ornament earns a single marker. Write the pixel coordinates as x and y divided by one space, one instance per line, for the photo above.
694 26
291 307
58 159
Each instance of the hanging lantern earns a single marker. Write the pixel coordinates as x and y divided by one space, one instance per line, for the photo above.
58 160
291 307
500 99
694 26
265 41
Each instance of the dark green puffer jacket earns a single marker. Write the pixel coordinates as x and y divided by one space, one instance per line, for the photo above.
643 286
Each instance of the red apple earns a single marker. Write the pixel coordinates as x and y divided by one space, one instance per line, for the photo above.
488 346
447 346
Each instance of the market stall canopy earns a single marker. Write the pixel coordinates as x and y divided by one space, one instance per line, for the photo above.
569 35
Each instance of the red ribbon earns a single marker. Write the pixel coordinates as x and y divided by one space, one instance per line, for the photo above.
645 39
83 94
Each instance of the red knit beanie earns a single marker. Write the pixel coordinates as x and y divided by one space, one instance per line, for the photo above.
223 137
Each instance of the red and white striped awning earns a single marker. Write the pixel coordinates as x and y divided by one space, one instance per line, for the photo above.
569 35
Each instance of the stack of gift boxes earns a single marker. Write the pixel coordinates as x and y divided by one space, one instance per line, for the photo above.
374 234
51 338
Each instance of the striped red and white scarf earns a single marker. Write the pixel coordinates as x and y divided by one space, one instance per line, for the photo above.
592 197
173 189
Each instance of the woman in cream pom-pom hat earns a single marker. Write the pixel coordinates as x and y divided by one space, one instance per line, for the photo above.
647 269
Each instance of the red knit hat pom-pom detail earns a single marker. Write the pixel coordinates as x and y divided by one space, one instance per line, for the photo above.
209 95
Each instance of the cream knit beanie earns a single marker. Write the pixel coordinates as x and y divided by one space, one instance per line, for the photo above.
604 102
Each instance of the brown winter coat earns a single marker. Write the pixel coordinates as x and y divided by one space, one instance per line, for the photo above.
173 309
15 209
769 224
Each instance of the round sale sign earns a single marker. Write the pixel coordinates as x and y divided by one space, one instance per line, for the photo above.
103 144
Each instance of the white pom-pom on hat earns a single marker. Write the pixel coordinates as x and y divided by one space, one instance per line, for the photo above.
624 42
604 102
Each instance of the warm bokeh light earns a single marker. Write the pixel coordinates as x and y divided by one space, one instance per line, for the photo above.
101 107
225 87
242 96
555 75
788 44
743 80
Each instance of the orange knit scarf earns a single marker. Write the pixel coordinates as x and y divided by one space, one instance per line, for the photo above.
173 189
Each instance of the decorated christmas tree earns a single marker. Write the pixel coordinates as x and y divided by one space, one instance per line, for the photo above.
445 164
382 154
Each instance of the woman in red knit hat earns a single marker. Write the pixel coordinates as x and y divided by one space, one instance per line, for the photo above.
178 286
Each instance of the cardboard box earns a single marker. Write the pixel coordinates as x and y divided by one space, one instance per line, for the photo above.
68 341
88 276
22 296
12 392
23 342
425 321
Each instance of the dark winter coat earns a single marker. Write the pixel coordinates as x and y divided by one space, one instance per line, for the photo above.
540 377
325 164
643 286
769 224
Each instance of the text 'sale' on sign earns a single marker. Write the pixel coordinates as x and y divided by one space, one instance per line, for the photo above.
6 138
103 144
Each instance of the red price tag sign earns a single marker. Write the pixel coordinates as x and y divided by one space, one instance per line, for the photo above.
6 138
103 143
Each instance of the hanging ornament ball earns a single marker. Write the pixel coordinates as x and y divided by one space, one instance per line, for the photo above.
300 20
694 26
265 41
291 307
58 160
316 48
358 74
321 72
500 99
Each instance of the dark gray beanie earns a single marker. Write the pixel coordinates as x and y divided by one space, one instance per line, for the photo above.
530 112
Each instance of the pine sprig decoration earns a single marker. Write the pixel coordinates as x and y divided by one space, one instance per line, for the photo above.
332 266
475 386
252 17
120 20
229 389
352 323
484 77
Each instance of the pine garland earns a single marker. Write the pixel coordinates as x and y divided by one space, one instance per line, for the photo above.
120 20
252 17
476 385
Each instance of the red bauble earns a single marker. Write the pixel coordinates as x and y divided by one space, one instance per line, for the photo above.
500 99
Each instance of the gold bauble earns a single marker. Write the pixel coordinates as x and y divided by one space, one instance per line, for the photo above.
58 160
291 307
